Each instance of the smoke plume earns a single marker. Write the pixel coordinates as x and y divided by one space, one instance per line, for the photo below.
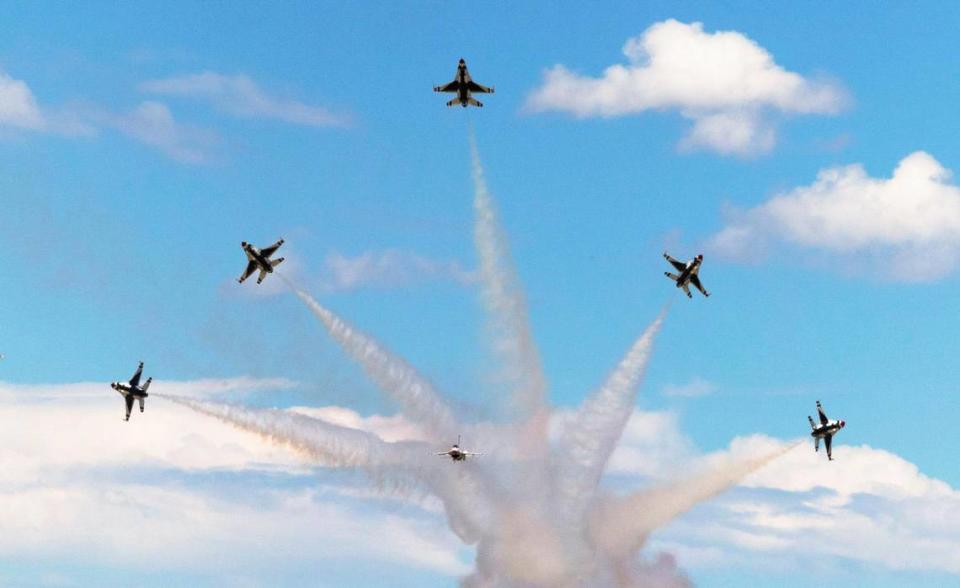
535 511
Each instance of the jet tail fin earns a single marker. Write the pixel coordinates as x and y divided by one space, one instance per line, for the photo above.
454 102
673 277
276 262
810 418
475 102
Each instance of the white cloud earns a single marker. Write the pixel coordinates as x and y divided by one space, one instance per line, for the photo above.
390 268
79 483
18 107
725 82
692 389
906 227
241 96
868 506
153 124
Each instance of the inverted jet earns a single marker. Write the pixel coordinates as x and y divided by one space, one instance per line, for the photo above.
826 430
259 259
133 390
457 454
689 274
463 86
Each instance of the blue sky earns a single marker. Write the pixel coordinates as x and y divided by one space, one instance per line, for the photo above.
129 183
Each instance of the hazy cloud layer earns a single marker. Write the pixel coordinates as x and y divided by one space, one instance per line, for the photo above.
696 387
906 227
727 84
131 482
153 124
240 96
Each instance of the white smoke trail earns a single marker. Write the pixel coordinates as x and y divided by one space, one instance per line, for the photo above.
620 526
504 300
395 466
416 396
589 440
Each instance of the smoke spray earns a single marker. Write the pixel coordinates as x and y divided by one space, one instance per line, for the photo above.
398 379
504 300
535 513
589 440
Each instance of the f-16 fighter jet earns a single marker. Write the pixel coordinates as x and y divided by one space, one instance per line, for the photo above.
688 274
457 454
463 85
825 431
259 259
132 390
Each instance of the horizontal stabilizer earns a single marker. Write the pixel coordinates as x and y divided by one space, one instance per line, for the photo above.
276 262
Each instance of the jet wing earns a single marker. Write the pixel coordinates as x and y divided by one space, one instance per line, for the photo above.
268 251
135 380
696 282
129 400
675 263
477 88
453 86
251 267
828 440
823 416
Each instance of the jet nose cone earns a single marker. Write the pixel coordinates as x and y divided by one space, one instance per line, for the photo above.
243 244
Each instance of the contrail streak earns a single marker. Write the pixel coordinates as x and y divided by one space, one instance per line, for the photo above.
504 300
591 437
619 526
398 379
390 464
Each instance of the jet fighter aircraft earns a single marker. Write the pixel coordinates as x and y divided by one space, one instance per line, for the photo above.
457 454
132 390
463 85
825 431
260 259
688 274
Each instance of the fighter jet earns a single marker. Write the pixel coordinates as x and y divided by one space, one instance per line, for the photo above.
132 390
457 454
825 431
260 259
688 274
463 85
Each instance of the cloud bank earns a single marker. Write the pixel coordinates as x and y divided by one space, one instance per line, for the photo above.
905 227
726 83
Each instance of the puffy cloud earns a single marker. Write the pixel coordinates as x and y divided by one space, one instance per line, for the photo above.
868 506
241 96
18 107
907 227
724 82
80 484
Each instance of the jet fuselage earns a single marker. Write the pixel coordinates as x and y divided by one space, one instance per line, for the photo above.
254 254
128 390
828 429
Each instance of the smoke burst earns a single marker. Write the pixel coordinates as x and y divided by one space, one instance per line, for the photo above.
534 510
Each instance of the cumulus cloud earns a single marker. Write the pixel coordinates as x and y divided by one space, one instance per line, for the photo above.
241 96
80 484
906 227
727 84
18 107
71 464
877 509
